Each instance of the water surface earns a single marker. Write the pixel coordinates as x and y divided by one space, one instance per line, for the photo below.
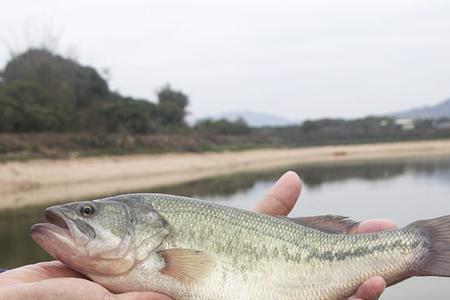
404 191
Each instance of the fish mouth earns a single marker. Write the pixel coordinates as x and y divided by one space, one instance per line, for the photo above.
59 237
57 224
53 217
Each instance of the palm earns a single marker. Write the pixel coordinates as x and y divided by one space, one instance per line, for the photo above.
54 280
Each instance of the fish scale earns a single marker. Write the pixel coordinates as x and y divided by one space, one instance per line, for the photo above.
191 249
299 248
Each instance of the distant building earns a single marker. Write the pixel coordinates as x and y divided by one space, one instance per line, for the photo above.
384 123
441 124
405 124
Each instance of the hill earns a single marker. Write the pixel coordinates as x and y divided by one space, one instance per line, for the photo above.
258 119
440 110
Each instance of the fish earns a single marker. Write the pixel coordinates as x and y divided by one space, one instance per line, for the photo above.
191 249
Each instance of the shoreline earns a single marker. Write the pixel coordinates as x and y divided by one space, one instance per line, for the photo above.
42 181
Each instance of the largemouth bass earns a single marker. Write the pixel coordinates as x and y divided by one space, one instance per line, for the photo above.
194 249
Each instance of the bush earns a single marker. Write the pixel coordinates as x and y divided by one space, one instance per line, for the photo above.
134 116
42 91
26 107
223 126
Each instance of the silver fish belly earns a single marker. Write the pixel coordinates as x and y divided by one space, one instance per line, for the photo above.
209 251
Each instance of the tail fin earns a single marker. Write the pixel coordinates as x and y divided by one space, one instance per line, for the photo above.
437 233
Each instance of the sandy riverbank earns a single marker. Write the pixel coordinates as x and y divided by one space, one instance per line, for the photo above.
47 181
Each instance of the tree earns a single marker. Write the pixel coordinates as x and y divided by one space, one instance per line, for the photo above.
134 116
223 126
43 91
26 107
74 85
172 107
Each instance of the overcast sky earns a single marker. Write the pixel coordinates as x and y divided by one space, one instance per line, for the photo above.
297 59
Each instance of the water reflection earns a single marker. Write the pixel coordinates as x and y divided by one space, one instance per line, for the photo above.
17 248
314 176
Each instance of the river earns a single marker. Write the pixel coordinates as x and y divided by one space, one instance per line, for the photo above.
401 190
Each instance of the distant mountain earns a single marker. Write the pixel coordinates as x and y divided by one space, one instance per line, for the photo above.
440 110
258 119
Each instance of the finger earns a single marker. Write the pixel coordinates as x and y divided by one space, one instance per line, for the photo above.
36 272
281 198
56 289
370 290
72 289
140 296
374 225
52 269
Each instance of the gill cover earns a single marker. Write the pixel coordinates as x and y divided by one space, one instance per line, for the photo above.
141 229
103 237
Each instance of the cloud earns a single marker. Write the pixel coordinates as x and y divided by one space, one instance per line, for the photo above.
297 59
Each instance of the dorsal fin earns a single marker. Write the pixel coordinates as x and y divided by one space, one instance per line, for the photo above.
327 223
186 265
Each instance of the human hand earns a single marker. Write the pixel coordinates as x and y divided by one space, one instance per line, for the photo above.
54 281
280 200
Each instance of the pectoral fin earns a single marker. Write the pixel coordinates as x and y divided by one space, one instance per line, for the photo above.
328 223
187 265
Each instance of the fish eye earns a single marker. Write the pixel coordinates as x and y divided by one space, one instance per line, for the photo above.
87 210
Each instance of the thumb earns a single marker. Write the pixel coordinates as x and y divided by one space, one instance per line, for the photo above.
281 198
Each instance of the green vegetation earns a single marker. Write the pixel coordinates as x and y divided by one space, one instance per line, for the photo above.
223 126
51 106
42 91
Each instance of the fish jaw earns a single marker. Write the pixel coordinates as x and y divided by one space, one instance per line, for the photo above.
68 240
57 238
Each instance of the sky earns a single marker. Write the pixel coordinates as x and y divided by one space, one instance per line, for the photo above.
296 59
